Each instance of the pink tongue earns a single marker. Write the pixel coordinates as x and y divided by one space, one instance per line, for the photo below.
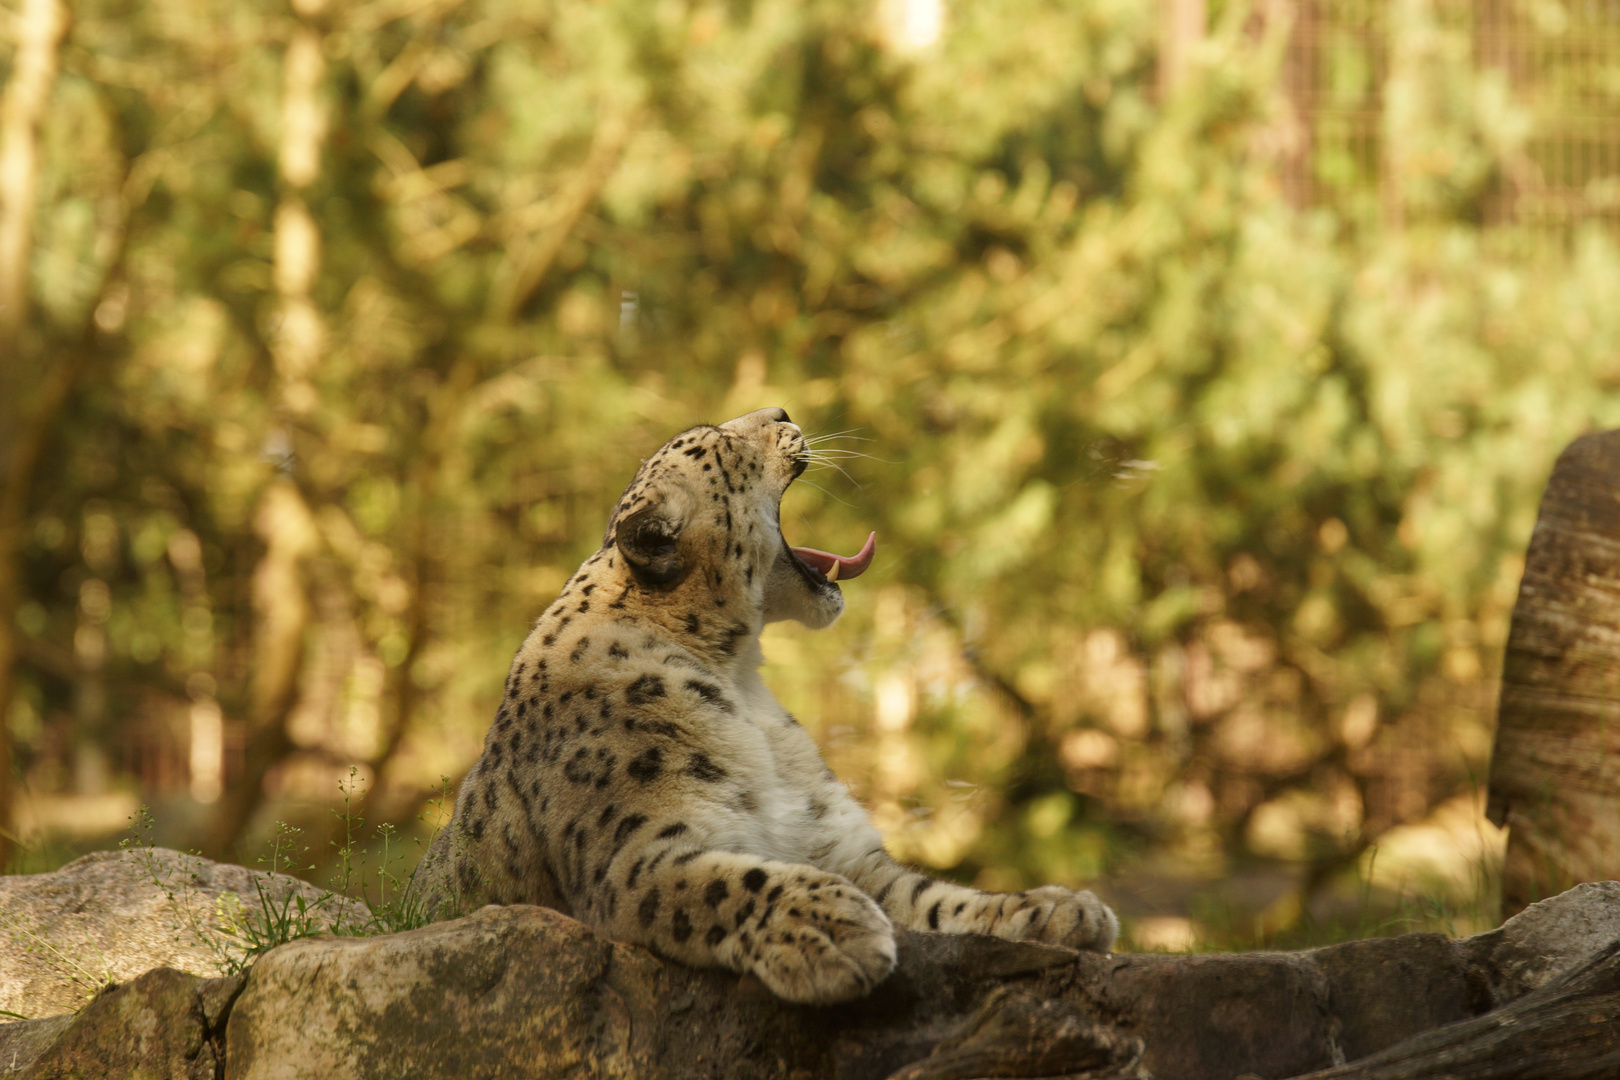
837 567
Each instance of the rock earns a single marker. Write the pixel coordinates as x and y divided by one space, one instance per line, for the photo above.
506 989
1206 1016
1383 991
1566 1030
527 991
166 1025
22 1042
476 996
1053 1038
112 915
1546 941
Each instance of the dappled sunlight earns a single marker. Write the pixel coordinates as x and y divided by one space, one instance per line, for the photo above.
1454 853
1200 382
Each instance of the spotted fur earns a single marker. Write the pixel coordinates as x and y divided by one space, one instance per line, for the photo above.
640 776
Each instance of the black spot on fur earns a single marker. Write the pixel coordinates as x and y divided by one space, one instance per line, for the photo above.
684 857
716 893
755 880
680 927
626 827
693 624
671 830
703 769
933 915
921 887
734 633
635 872
715 936
710 693
648 911
618 652
578 770
579 649
774 895
647 765
645 689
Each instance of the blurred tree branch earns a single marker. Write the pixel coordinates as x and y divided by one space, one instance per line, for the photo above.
31 397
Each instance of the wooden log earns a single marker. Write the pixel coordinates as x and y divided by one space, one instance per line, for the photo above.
1567 1031
1555 771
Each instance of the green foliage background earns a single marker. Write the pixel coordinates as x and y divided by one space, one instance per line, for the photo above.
1190 503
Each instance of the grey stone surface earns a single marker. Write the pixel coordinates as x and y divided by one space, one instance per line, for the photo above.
506 991
527 992
111 915
22 1042
166 1025
1382 991
1546 941
1210 1016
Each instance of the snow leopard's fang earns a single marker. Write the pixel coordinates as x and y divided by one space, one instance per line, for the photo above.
839 567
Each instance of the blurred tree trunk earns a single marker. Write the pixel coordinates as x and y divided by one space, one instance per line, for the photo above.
285 523
1555 772
30 395
281 616
1182 25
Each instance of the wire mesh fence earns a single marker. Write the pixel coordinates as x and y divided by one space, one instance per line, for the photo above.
1559 63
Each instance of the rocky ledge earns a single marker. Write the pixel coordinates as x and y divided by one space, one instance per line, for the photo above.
527 992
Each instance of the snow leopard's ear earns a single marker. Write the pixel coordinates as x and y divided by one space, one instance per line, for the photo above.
649 540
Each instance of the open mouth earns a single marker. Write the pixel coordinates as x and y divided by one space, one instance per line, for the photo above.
824 566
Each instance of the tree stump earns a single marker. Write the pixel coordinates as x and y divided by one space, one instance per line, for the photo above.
1555 771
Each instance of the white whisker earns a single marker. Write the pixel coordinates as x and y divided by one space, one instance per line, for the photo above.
837 435
814 464
827 493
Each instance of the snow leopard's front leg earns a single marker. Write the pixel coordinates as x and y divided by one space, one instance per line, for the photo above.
1051 913
810 936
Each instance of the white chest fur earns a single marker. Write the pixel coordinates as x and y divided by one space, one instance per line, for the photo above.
781 801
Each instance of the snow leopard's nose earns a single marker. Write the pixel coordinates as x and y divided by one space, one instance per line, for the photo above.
757 419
